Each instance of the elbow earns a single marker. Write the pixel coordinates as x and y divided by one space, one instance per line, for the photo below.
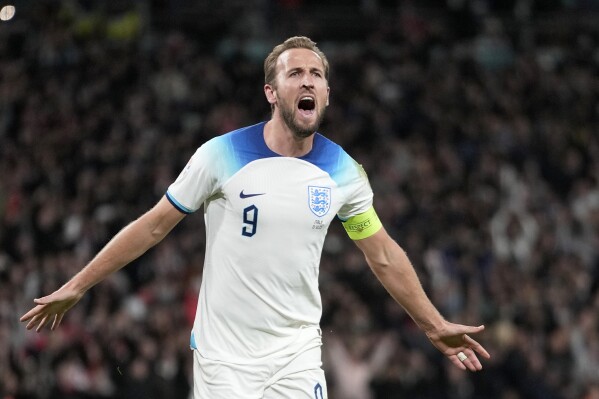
389 260
157 233
380 263
154 231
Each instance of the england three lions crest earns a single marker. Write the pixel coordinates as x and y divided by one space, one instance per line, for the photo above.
319 200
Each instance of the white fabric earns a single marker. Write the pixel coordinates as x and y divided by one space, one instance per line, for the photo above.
266 220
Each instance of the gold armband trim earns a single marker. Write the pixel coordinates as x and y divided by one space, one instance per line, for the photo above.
363 225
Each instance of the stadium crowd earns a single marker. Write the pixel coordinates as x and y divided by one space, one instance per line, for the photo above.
481 142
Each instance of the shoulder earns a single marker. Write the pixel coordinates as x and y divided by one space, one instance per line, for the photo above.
329 155
325 152
326 145
233 150
242 138
333 159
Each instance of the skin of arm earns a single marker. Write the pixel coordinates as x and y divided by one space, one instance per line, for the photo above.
394 270
127 245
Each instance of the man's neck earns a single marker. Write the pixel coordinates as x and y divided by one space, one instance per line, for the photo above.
280 139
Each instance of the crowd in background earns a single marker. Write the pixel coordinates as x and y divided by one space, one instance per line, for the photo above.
481 141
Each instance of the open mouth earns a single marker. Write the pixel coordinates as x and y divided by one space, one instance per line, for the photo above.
306 105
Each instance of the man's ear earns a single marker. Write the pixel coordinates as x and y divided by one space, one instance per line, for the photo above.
328 94
271 94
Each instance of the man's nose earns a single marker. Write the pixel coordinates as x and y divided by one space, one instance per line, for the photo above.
308 81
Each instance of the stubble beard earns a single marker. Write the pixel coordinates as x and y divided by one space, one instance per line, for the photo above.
288 115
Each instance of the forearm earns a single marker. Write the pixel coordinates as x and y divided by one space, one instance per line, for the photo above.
123 248
395 271
392 267
126 246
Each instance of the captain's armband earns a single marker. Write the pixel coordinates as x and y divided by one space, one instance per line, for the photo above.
363 225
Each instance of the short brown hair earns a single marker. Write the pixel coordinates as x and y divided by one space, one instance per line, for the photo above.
270 63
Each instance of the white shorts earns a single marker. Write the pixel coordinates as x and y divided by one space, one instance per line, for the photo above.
291 377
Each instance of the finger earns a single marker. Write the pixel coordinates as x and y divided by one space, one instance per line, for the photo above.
472 361
42 301
471 343
469 364
33 312
53 326
26 316
468 359
33 321
57 320
42 323
454 359
472 329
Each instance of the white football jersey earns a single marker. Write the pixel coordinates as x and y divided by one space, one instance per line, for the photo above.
266 219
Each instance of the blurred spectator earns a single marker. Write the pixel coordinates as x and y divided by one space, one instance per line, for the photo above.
480 140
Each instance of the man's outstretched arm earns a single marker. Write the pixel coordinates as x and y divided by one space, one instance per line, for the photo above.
129 244
392 267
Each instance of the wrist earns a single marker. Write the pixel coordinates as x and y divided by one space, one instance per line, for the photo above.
434 326
75 286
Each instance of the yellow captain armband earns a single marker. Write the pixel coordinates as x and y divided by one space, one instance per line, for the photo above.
363 225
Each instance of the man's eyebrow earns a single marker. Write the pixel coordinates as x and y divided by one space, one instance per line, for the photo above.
311 69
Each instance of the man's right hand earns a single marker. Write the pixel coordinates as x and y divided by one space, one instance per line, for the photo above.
51 307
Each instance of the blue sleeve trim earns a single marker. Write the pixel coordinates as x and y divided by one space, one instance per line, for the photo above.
192 341
177 205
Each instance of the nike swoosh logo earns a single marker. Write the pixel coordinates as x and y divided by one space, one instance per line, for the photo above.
242 195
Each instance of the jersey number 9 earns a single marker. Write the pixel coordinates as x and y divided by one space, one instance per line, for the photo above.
250 221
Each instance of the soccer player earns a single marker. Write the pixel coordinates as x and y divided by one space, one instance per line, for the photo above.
269 193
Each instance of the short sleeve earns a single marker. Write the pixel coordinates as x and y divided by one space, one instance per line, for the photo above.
201 178
359 193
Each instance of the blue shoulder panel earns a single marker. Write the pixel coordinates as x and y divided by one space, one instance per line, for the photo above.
242 146
331 158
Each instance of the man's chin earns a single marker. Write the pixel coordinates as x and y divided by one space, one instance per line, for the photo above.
302 127
304 130
302 133
309 124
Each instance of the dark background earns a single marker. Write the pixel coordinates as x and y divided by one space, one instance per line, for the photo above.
477 122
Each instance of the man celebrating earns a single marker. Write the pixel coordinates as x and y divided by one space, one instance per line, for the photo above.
270 192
